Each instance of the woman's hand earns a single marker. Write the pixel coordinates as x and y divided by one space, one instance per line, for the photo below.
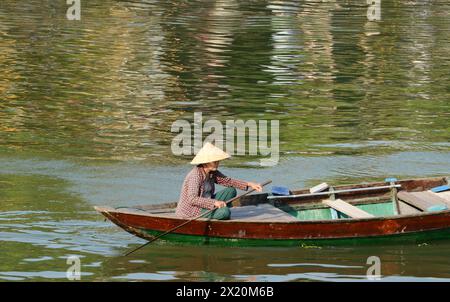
219 204
255 186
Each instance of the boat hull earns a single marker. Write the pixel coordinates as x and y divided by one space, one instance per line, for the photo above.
420 228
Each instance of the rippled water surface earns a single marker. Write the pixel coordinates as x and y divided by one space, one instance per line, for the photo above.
86 109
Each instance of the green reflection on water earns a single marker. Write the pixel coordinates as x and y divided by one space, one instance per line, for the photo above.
111 85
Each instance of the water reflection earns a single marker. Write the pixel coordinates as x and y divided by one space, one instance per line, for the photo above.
281 264
110 86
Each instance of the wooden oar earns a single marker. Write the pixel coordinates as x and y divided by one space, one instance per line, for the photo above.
195 218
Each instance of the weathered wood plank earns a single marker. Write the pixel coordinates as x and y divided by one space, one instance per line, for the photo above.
319 188
406 209
347 208
421 200
414 200
432 197
445 196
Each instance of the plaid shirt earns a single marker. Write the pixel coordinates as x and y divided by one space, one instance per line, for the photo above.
191 202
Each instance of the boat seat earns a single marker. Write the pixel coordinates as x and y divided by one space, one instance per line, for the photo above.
422 200
444 195
261 212
346 208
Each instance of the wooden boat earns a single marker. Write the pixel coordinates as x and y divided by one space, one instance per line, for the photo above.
371 213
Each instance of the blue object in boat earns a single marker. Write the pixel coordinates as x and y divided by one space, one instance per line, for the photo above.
280 191
390 179
437 208
440 189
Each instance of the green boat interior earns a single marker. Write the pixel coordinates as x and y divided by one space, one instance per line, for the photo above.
342 202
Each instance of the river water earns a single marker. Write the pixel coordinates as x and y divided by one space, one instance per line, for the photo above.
361 92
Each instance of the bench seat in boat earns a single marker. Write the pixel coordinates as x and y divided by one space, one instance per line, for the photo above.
422 200
346 208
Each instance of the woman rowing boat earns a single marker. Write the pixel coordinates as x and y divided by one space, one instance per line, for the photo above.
198 192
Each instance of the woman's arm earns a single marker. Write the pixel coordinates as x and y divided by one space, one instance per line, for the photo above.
229 182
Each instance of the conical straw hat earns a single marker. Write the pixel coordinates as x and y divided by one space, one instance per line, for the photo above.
209 153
